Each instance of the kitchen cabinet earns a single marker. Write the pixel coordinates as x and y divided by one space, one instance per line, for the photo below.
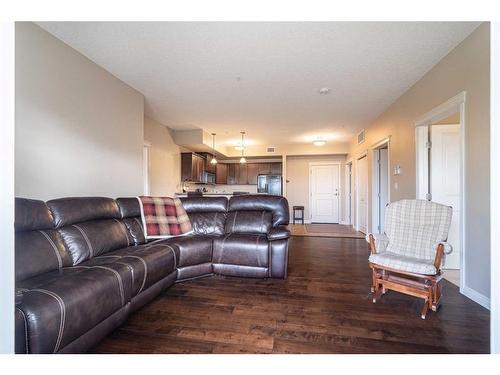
275 168
231 174
221 173
264 168
242 174
253 170
192 167
209 167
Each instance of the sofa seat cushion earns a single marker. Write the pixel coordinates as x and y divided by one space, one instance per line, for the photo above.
404 263
60 306
192 249
147 263
242 249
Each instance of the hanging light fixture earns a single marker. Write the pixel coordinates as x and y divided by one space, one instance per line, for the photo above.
319 142
214 160
243 160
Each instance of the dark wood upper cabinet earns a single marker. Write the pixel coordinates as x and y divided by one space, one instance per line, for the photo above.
264 168
231 174
242 174
253 170
209 167
221 173
275 168
192 167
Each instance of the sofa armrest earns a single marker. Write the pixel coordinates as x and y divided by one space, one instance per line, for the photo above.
278 233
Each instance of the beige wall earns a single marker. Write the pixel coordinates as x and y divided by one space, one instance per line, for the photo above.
78 128
466 68
297 173
165 159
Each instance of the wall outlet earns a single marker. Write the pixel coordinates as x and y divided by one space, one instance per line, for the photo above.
396 186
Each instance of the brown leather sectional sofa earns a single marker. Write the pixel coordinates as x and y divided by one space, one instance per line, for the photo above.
82 264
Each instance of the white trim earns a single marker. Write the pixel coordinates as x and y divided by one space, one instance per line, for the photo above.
319 163
475 296
374 181
358 158
495 186
453 105
348 193
146 167
443 110
381 143
421 160
7 141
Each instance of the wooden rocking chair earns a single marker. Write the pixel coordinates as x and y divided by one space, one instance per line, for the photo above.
409 256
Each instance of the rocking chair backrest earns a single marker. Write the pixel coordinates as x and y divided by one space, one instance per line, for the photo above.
414 227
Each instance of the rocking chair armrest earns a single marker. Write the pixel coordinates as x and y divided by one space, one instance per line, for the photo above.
442 249
378 242
448 248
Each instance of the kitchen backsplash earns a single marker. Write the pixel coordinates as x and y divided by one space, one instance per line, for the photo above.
252 189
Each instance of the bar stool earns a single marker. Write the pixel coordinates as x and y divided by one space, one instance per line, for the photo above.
298 209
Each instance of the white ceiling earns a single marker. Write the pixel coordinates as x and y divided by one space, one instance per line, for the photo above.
264 77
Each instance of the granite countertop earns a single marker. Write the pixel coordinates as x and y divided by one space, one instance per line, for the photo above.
207 193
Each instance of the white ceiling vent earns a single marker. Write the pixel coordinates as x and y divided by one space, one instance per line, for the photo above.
361 136
270 149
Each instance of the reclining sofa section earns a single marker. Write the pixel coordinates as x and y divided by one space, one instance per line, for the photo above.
83 265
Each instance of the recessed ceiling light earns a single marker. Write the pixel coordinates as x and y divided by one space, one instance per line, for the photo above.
324 91
319 142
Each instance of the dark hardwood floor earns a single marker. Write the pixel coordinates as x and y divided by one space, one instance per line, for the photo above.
323 307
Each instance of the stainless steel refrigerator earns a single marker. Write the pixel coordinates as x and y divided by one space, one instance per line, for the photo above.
269 184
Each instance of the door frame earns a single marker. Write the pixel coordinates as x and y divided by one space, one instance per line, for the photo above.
349 185
146 165
363 154
453 105
321 163
384 143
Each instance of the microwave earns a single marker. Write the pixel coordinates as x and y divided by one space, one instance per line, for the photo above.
208 178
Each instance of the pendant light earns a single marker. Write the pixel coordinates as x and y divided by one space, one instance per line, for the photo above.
214 160
319 142
243 160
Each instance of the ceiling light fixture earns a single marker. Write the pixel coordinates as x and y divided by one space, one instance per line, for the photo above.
214 160
319 142
243 160
324 91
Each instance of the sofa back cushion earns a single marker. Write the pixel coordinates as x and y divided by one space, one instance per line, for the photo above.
67 211
277 205
207 214
256 222
130 212
38 247
92 238
89 226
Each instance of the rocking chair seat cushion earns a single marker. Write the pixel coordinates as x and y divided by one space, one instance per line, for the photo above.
404 263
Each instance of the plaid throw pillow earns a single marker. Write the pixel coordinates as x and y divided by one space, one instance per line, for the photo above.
163 217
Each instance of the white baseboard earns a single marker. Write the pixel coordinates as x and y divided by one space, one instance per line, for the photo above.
476 296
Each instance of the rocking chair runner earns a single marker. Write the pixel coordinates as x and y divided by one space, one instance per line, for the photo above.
409 256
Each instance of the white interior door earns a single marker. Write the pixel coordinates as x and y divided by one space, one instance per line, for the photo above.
325 190
445 181
362 195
